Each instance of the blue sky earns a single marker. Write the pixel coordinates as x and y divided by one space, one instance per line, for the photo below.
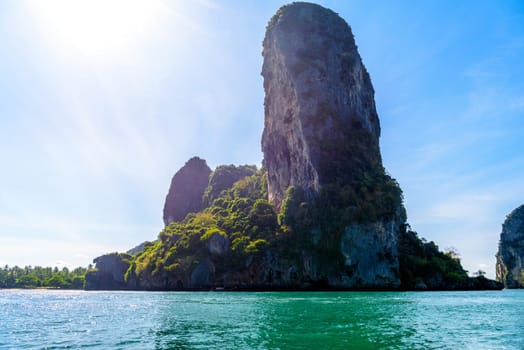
101 103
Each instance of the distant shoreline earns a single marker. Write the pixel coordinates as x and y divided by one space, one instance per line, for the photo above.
262 290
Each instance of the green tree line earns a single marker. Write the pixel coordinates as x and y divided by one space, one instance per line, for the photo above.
42 277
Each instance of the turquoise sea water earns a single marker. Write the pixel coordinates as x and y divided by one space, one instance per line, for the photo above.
39 319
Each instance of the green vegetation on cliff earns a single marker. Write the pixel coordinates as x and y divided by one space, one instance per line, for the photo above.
356 190
239 222
223 179
423 265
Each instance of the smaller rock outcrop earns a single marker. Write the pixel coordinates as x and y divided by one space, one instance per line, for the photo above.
510 256
223 178
186 190
109 273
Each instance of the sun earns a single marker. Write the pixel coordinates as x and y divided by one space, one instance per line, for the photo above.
96 27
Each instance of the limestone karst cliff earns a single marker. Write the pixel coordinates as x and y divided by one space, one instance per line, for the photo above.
510 256
318 98
321 214
186 190
321 138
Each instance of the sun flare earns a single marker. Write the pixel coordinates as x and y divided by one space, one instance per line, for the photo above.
96 27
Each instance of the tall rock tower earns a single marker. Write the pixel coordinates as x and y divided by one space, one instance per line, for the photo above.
186 190
321 150
318 93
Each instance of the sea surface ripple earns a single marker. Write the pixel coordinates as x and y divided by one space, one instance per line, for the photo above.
51 319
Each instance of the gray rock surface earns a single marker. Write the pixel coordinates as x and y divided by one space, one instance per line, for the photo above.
317 89
510 256
186 190
370 256
218 244
201 275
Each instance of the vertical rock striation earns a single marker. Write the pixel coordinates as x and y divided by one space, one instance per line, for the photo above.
317 93
186 190
510 256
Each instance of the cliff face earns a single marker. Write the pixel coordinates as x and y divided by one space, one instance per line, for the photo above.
186 190
317 93
510 256
321 136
